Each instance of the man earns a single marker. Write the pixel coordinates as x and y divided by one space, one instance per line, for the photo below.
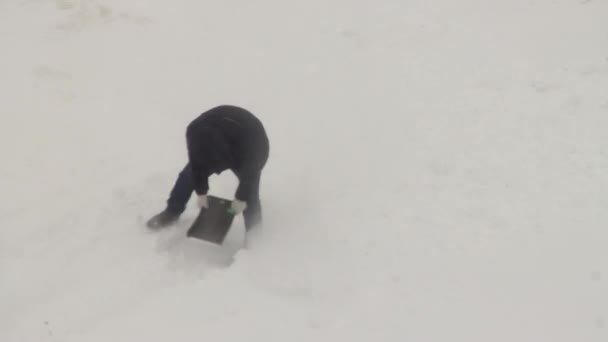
222 138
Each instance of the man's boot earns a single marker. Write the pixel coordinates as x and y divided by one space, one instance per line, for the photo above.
163 219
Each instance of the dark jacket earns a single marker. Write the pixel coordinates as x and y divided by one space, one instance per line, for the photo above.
227 137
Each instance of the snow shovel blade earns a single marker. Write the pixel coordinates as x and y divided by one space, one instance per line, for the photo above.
212 224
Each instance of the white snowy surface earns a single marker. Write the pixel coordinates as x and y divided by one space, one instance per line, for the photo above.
438 170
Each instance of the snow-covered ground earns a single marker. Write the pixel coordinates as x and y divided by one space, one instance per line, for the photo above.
438 170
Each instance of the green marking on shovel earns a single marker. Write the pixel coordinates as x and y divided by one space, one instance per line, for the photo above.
230 211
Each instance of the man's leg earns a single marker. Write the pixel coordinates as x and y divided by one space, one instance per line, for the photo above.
253 214
181 192
176 204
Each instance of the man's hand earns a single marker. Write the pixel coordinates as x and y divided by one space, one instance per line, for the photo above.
202 201
238 206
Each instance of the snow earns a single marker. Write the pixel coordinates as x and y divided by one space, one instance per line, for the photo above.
438 170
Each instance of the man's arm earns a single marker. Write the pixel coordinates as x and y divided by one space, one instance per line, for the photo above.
200 180
199 176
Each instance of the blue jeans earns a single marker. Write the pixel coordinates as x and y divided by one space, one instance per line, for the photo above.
184 187
181 192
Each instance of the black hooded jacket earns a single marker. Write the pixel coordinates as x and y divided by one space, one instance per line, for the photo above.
227 137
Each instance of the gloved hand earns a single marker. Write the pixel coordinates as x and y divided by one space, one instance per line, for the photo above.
238 206
202 201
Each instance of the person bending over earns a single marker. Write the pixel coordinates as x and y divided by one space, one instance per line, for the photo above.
224 137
